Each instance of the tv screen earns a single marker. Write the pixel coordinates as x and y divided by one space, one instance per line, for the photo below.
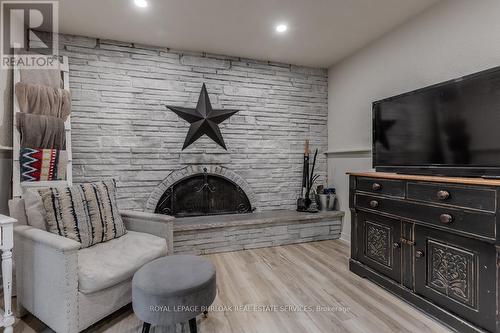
449 128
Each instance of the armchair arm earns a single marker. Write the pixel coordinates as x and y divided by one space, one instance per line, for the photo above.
47 276
155 224
45 238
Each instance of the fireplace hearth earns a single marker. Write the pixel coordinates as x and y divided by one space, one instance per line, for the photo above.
199 192
203 194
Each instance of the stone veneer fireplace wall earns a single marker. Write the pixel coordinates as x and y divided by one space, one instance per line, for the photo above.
121 128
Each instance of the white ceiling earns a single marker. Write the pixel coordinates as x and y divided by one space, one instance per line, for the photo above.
320 32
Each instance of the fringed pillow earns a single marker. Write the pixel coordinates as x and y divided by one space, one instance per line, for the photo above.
86 213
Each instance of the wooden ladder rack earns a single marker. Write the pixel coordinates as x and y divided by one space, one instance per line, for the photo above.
17 185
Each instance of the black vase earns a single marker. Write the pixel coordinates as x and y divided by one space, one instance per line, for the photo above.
301 205
307 201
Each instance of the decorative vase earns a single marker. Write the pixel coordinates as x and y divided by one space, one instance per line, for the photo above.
331 202
322 200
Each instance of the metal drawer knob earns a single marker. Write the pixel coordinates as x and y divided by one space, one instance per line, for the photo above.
396 245
446 218
443 195
419 254
376 186
374 204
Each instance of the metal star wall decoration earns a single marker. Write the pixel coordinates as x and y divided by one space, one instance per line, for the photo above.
203 119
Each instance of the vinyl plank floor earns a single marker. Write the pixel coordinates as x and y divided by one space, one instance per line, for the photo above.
294 288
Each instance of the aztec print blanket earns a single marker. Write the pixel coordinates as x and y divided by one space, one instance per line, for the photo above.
43 164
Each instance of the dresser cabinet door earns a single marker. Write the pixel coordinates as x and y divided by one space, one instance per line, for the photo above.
379 239
456 273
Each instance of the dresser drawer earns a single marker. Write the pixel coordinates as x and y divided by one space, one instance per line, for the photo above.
470 222
394 188
464 197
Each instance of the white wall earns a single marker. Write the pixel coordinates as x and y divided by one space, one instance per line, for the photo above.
5 138
452 39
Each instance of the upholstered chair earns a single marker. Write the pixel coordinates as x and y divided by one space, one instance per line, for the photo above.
69 288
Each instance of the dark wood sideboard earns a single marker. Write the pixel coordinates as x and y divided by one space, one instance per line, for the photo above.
431 241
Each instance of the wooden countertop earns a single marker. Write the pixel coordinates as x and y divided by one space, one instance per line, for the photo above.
455 180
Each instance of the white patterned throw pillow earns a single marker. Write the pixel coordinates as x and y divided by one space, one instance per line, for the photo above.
86 213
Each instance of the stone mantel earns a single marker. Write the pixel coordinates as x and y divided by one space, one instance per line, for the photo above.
263 218
233 232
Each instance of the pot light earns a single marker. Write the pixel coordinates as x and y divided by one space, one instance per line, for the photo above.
281 28
141 3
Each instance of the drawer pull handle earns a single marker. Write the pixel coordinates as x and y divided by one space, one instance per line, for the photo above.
374 204
443 195
446 218
419 254
407 242
376 187
396 245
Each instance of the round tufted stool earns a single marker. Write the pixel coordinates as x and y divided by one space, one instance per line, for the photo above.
173 289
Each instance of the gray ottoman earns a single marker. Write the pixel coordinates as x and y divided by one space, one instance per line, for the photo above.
172 290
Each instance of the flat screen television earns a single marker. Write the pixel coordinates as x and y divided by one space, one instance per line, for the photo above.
451 128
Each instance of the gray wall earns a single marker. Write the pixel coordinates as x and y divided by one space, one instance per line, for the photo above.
451 39
121 128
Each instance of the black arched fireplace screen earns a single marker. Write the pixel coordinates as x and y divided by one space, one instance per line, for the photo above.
203 194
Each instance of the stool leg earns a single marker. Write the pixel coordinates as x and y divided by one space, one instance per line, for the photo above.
192 325
146 327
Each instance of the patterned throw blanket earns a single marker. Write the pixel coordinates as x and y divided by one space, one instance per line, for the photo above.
43 164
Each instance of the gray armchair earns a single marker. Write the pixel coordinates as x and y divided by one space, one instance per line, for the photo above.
69 288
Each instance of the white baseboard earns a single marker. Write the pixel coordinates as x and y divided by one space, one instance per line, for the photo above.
345 237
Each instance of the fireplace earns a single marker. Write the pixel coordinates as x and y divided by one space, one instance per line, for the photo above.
201 191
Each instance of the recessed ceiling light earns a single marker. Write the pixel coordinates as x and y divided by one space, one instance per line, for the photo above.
281 28
141 3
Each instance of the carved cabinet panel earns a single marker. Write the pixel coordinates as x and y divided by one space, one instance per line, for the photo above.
457 273
452 272
380 247
378 241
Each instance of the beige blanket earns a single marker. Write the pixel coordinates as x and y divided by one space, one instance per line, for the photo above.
43 100
38 131
46 77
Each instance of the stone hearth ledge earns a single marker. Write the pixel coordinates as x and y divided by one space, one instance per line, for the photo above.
223 233
236 220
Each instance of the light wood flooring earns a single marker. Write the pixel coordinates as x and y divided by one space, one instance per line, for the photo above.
269 282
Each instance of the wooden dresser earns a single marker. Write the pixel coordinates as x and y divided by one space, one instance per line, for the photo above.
431 241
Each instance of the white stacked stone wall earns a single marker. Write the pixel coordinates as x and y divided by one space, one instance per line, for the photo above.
122 129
